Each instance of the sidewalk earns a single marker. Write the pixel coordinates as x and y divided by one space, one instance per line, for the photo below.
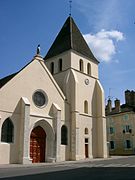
7 166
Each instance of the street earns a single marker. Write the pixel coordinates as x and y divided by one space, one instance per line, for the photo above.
117 168
82 173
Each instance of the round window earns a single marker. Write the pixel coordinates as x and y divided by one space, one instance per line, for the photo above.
40 98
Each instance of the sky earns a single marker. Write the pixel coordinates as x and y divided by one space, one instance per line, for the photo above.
108 26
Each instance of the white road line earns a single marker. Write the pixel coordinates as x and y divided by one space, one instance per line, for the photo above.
112 165
97 165
125 165
132 165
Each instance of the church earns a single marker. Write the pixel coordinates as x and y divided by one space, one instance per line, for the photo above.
53 109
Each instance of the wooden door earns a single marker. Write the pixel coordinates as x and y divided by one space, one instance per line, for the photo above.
37 145
86 150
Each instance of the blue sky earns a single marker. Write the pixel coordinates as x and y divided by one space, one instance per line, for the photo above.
107 25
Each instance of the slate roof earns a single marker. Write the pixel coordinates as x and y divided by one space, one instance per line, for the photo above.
68 38
4 80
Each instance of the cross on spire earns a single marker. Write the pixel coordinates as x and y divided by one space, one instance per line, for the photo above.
70 7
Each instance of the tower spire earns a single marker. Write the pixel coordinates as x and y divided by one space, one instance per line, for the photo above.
70 7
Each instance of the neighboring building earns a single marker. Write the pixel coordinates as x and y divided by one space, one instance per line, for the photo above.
53 109
121 125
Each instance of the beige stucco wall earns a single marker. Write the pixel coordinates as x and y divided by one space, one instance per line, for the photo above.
11 152
24 84
65 106
65 56
70 60
75 64
85 121
72 83
34 76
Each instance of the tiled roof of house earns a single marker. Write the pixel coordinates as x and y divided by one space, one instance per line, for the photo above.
123 109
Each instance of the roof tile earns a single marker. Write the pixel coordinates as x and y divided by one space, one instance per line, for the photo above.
68 38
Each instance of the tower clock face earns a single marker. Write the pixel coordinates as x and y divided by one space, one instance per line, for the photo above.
86 81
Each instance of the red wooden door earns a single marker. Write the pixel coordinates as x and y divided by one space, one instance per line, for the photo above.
86 150
37 145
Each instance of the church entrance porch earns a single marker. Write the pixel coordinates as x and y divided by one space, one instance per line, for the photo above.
37 145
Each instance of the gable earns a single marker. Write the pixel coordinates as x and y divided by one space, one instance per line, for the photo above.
33 77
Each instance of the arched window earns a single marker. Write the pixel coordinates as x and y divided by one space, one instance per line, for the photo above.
86 131
64 135
52 67
7 133
81 65
88 69
86 107
60 64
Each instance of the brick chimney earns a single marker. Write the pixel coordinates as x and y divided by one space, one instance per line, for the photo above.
130 97
127 97
109 106
117 105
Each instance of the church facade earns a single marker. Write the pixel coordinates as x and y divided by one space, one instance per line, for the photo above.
53 109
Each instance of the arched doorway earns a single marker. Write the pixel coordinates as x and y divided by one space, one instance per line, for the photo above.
37 145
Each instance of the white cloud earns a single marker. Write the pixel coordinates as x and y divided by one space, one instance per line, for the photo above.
103 43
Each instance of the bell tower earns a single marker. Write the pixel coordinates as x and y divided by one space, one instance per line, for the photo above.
75 69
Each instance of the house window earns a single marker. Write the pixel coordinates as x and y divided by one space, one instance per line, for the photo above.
125 117
112 145
7 133
86 131
52 67
60 64
127 129
127 144
88 69
81 65
64 135
86 107
111 130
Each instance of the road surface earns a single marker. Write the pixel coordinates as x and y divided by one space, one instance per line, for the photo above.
112 169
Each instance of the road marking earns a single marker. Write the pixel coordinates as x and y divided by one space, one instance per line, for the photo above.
112 165
125 165
132 165
97 165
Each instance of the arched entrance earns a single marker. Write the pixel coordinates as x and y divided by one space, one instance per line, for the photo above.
37 145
